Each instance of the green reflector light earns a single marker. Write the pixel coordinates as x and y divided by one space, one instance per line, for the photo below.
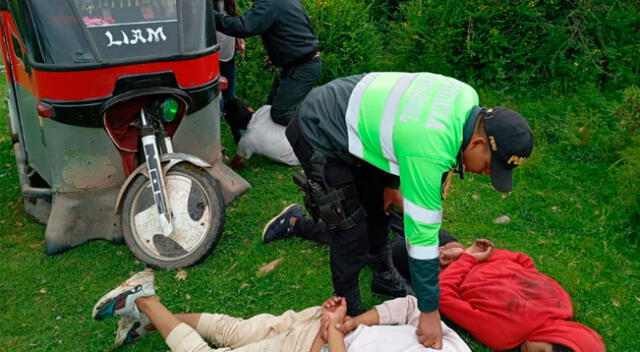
170 110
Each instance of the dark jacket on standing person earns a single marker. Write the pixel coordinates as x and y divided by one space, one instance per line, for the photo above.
283 24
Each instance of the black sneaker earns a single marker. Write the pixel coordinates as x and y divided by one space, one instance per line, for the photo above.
280 226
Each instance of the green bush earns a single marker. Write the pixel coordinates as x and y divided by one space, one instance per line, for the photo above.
520 42
627 168
350 43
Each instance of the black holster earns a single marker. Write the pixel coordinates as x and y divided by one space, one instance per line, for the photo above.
326 202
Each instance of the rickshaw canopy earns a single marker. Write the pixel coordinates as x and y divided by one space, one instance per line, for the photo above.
66 34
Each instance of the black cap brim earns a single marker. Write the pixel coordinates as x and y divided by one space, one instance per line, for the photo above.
501 177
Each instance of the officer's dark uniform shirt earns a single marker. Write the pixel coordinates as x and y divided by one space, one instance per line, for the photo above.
284 26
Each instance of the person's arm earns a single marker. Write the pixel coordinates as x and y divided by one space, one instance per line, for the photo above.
524 260
336 339
399 311
318 342
420 182
253 22
368 318
454 307
334 312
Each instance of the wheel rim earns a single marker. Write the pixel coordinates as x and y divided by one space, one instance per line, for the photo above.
190 206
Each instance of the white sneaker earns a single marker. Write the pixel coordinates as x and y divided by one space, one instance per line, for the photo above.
121 301
130 329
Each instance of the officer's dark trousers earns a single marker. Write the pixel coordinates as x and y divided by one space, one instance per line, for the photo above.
289 88
350 248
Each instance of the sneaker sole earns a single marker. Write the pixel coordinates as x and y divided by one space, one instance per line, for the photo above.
264 230
109 303
125 336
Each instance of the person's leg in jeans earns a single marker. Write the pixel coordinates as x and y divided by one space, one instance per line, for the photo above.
293 85
228 70
275 85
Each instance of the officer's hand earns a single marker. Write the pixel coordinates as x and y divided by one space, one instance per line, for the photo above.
429 330
392 196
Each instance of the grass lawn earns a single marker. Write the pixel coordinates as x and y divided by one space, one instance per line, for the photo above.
560 215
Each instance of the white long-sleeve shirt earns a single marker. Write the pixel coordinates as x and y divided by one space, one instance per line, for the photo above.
396 331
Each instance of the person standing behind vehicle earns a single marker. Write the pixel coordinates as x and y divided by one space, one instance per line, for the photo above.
228 45
291 45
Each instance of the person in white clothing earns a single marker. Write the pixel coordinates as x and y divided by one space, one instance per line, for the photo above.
389 327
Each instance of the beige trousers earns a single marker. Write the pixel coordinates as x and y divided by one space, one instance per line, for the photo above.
289 332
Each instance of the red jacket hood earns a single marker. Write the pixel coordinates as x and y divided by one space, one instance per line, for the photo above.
575 336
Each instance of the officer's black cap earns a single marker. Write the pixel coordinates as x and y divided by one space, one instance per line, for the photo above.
511 142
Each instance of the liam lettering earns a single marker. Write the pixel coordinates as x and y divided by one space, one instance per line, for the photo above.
136 37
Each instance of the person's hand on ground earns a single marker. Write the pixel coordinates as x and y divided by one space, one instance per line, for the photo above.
429 330
392 196
481 249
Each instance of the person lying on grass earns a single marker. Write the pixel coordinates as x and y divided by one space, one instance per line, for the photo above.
503 300
497 295
388 327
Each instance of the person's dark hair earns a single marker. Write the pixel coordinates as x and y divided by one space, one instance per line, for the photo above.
560 348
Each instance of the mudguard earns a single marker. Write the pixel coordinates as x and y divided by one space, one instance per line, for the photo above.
168 161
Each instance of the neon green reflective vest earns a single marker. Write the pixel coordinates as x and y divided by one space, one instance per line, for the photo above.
411 125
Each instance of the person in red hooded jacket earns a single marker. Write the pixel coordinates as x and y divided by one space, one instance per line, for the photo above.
504 301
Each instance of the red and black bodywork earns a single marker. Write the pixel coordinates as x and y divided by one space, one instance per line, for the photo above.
78 72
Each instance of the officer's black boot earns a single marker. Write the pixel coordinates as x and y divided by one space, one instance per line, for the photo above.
386 280
354 306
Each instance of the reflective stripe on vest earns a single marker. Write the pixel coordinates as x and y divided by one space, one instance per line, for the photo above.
353 115
423 252
420 214
376 103
389 118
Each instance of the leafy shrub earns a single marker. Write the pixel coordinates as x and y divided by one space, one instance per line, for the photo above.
384 9
627 168
520 42
350 43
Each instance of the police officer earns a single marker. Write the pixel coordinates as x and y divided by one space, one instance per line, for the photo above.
291 44
353 132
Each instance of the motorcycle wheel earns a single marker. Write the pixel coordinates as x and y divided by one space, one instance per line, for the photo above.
197 207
